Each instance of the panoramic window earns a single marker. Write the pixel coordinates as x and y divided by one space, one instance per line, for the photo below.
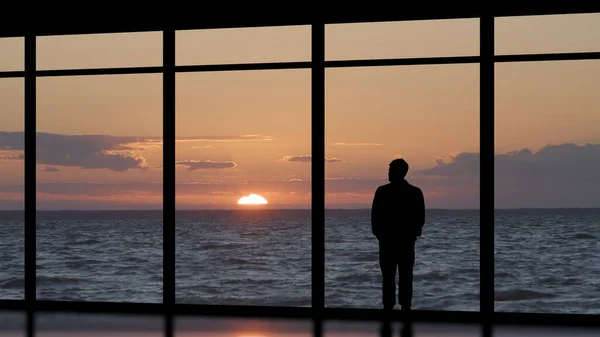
12 56
243 183
99 160
547 186
243 45
99 51
243 188
12 143
402 39
548 34
429 116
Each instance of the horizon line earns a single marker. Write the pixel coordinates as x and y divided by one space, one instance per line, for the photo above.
293 209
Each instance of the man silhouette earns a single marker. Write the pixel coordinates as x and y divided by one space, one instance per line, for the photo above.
397 219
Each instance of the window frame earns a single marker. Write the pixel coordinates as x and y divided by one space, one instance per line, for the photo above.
486 317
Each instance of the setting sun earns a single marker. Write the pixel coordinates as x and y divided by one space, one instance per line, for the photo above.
252 199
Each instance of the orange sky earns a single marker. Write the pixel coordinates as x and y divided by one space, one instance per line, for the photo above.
249 131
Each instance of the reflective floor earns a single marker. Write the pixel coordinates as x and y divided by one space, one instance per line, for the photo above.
54 325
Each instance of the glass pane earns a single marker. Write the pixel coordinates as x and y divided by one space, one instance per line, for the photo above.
12 324
548 34
99 51
97 325
243 45
547 187
12 142
99 188
402 39
429 116
526 331
12 53
243 140
241 327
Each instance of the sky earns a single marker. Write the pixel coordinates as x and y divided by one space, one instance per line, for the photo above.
240 132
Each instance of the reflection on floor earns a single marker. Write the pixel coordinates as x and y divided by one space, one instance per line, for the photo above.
55 325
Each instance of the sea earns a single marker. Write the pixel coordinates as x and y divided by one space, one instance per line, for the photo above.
546 260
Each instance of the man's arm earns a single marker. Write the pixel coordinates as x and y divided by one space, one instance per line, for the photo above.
376 214
420 209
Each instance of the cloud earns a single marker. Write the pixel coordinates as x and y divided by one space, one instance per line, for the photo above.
227 138
563 175
207 164
308 159
356 144
298 159
51 169
465 163
102 151
84 151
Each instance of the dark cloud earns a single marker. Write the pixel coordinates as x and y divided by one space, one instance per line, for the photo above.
51 169
207 164
84 151
105 152
308 159
465 163
565 175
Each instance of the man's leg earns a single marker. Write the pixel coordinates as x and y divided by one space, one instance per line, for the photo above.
405 276
387 264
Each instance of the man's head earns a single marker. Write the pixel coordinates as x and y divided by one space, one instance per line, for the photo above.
398 170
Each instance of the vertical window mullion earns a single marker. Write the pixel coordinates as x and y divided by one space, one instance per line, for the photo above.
169 178
486 139
318 173
30 180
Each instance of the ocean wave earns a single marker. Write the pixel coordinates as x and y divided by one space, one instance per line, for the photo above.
238 261
555 280
354 278
519 295
250 282
503 274
368 257
583 236
432 276
221 245
56 280
13 283
85 242
532 262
